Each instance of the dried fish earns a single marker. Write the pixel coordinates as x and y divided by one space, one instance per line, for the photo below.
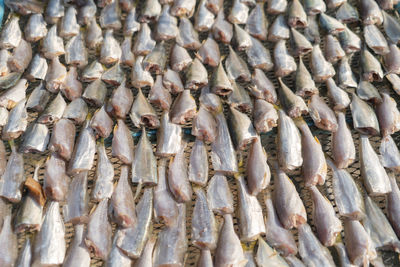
390 155
54 11
392 201
187 36
92 72
75 51
262 87
87 12
284 63
55 76
297 17
167 24
52 44
110 49
11 34
21 57
16 123
219 195
103 187
305 85
169 137
240 98
265 116
220 83
343 150
35 28
370 12
144 166
204 18
276 6
364 117
333 50
122 143
196 75
156 60
205 259
146 259
35 139
54 111
25 257
222 30
391 27
77 207
240 128
242 38
144 43
239 12
77 253
101 123
258 56
375 40
330 24
210 101
293 104
95 93
267 256
279 29
209 52
69 25
142 113
347 13
172 81
110 16
257 23
374 175
56 180
320 67
299 43
349 41
140 77
323 117
236 67
339 97
179 58
150 11
94 36
131 24
198 164
72 87
76 111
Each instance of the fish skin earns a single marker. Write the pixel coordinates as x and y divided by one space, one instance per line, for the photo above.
299 43
370 12
179 58
11 34
87 12
144 165
3 116
323 117
146 259
196 75
12 180
205 259
204 18
240 128
77 207
122 206
267 256
94 36
394 80
365 125
21 57
5 55
342 144
311 32
50 247
333 50
25 256
391 59
277 6
35 29
293 261
98 235
77 253
288 204
139 76
262 87
155 61
373 173
378 227
223 154
167 25
52 45
347 13
92 72
8 243
209 53
392 208
204 126
110 49
236 67
184 108
142 113
320 67
53 111
187 36
251 219
151 11
297 17
122 143
198 164
16 123
56 180
210 101
308 243
110 16
29 215
165 207
280 238
238 13
389 154
204 226
229 251
3 160
284 63
172 81
332 4
172 244
101 123
391 27
388 115
144 43
375 40
349 41
220 83
305 85
219 195
241 38
359 246
343 256
72 87
178 179
371 67
133 239
325 220
117 258
330 24
95 93
183 8
114 75
293 104
69 25
240 98
103 187
258 56
314 7
279 29
257 170
76 111
346 77
169 137
131 24
36 138
55 76
289 149
265 116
